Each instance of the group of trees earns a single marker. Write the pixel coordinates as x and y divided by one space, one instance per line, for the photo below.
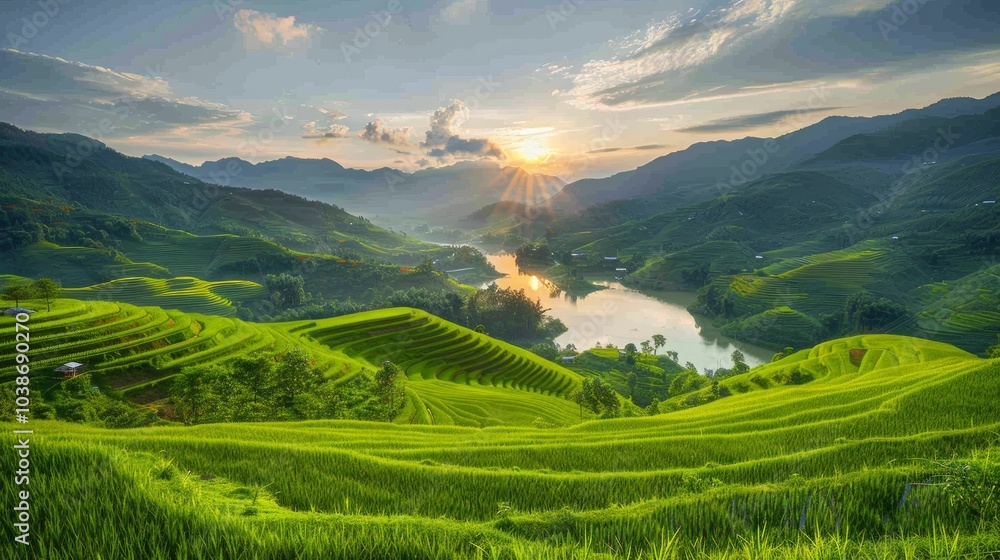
261 387
533 253
287 290
503 313
511 315
598 397
78 400
43 288
863 312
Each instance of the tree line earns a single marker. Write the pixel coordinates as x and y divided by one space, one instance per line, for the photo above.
288 386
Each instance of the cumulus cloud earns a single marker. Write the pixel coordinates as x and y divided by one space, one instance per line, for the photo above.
376 133
312 130
442 140
271 30
733 48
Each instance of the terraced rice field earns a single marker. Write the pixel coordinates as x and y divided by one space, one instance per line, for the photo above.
965 312
184 293
139 350
725 257
814 284
66 262
184 254
845 466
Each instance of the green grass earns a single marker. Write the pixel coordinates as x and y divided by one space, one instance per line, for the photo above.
139 350
844 466
185 293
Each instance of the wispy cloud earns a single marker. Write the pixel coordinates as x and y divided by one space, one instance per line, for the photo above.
462 11
731 48
632 148
47 92
744 122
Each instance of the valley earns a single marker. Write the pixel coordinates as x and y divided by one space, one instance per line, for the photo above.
324 332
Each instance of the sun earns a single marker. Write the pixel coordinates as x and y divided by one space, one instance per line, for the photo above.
533 151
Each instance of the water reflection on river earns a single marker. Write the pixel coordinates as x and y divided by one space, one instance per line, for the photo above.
621 315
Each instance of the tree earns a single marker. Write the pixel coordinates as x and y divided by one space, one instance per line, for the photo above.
257 374
672 355
600 398
654 407
739 362
659 341
546 350
865 313
192 394
295 376
389 390
994 351
690 366
632 380
17 292
784 353
630 349
426 266
287 290
579 397
48 289
647 348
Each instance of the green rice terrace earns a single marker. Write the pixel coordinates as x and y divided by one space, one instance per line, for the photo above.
139 351
872 446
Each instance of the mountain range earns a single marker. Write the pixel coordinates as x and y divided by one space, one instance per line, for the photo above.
428 194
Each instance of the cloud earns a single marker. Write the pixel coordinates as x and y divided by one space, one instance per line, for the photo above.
456 146
445 123
633 148
50 93
461 11
732 48
376 133
423 162
334 114
443 141
271 30
743 122
311 130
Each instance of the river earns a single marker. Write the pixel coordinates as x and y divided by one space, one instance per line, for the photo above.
621 315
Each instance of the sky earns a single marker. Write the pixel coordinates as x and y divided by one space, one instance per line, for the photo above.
574 88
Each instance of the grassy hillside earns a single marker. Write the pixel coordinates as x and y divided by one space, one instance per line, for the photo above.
184 293
778 257
34 176
851 463
139 351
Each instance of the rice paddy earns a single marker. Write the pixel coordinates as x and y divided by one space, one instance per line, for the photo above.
139 350
185 293
846 465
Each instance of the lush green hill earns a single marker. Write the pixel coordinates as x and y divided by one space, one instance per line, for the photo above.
141 350
777 258
850 463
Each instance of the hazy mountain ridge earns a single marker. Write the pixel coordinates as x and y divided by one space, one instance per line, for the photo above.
443 192
707 169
